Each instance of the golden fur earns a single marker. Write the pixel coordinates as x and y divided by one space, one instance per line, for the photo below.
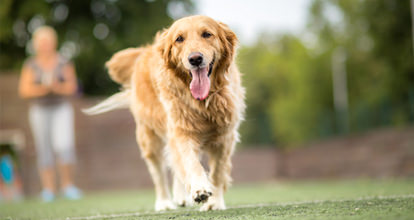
169 119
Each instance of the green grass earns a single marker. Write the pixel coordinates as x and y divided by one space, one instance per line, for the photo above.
361 199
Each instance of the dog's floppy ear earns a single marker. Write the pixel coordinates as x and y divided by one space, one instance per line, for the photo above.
164 45
229 41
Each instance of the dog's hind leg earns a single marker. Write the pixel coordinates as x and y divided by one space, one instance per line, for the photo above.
180 195
152 151
220 169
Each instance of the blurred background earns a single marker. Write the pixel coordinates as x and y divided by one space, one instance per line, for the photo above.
330 85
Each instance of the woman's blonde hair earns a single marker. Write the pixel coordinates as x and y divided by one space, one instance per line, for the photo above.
44 30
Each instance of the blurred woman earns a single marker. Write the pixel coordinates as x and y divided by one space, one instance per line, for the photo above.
47 79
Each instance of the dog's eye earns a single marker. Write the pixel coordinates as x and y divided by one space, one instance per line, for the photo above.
206 34
179 39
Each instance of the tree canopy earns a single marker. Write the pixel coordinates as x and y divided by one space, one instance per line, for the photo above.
289 77
90 31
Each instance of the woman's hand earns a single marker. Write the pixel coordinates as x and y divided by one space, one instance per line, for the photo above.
61 88
69 85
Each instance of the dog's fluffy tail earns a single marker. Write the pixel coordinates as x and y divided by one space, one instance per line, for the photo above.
121 65
117 101
120 68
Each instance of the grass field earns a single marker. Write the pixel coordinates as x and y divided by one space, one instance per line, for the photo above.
357 199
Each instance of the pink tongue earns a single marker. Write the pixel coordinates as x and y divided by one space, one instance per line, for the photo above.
200 85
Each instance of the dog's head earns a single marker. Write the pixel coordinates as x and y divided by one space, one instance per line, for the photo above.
199 50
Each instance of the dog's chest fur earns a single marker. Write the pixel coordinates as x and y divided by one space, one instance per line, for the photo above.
216 114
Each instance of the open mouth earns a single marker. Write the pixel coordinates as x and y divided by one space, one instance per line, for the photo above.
200 81
210 68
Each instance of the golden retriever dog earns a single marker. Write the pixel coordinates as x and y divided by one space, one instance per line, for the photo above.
186 97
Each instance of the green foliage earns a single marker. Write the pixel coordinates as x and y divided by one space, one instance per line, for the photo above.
289 77
287 90
83 28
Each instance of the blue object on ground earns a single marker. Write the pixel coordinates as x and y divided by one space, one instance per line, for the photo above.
47 195
72 192
6 169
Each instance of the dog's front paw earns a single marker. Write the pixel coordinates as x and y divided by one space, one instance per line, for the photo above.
213 203
164 204
201 194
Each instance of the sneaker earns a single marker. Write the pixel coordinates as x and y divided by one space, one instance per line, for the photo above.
47 195
72 192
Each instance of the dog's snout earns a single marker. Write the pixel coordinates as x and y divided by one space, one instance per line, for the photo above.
195 58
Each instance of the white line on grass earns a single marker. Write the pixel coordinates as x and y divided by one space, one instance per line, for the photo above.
136 214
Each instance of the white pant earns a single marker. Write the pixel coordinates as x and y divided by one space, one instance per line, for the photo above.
53 132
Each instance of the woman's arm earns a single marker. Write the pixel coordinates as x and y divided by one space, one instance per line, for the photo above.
69 85
27 87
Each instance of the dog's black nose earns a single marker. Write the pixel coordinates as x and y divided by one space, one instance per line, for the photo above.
195 58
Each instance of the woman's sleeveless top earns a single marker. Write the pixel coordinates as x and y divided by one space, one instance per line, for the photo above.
44 77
